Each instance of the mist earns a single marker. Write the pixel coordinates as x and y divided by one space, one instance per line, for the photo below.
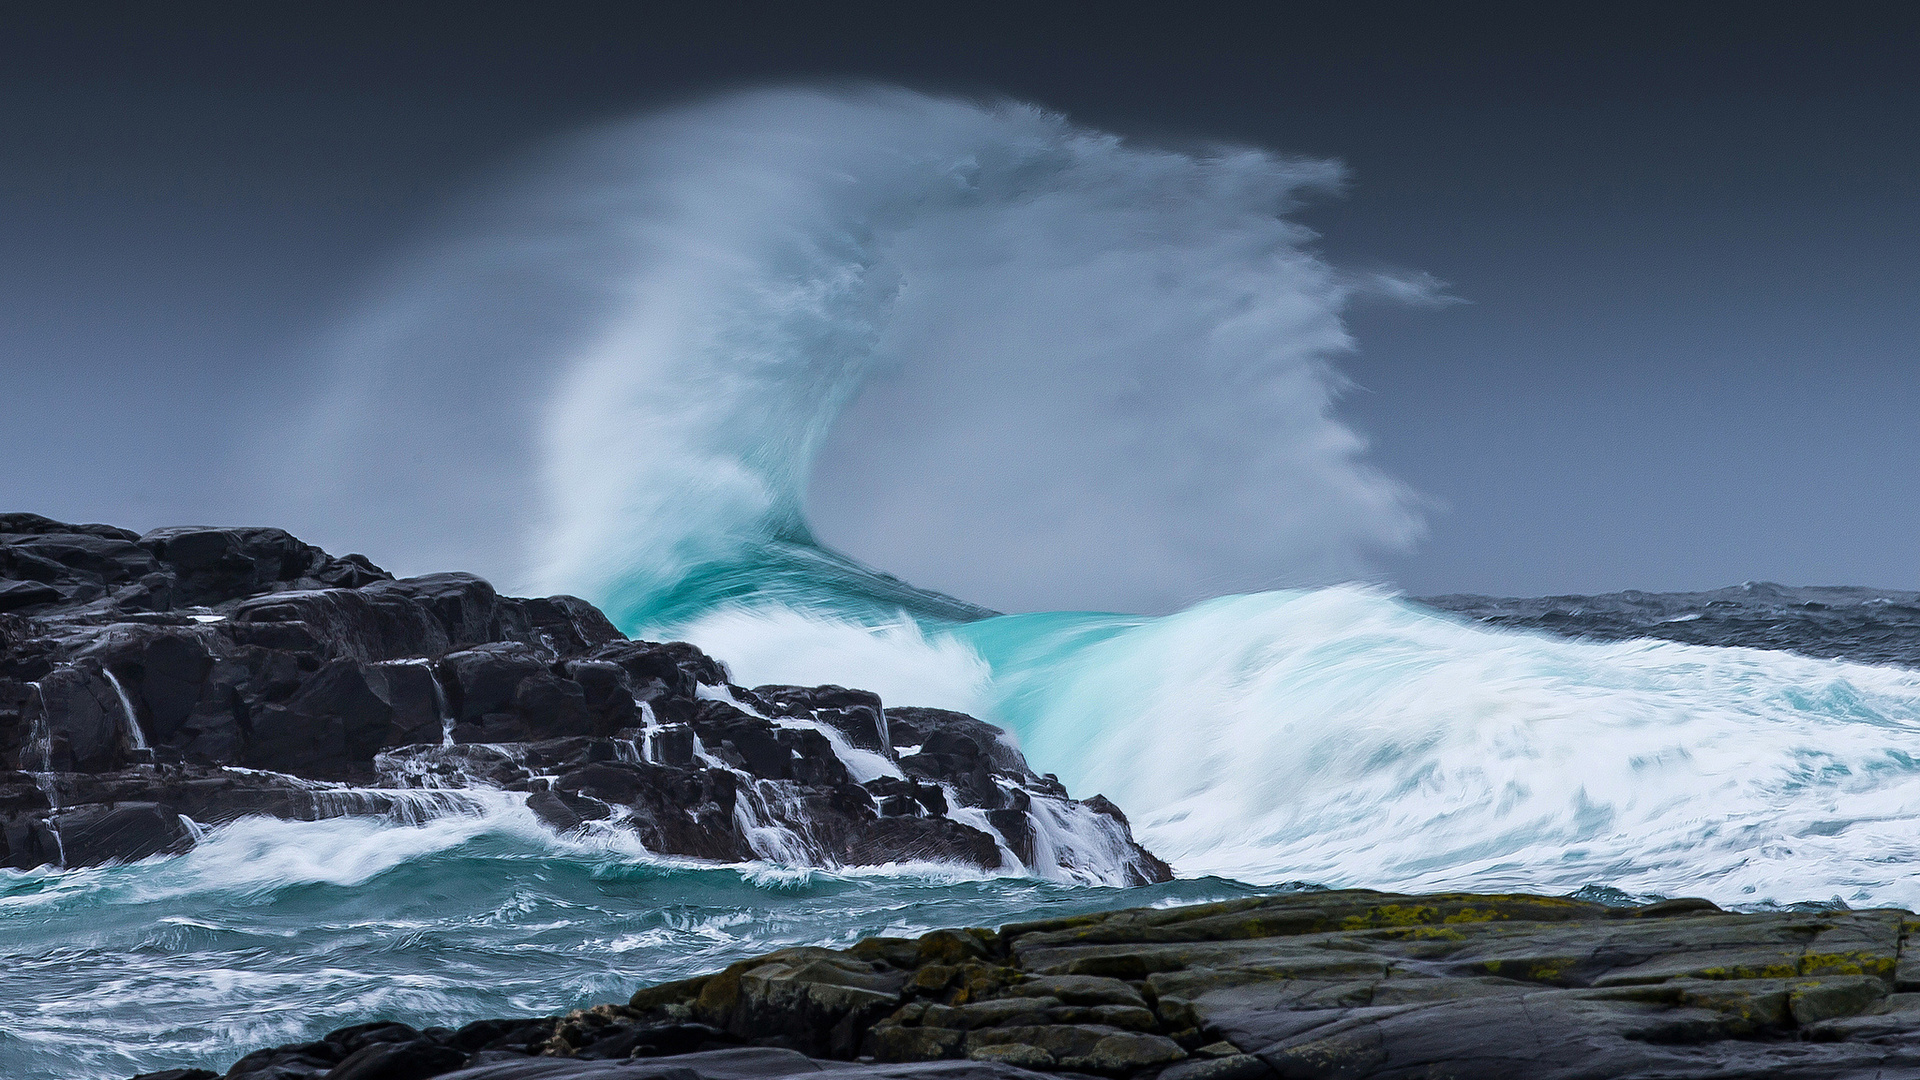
972 344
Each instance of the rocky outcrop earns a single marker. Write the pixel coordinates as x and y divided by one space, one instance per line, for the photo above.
152 686
1350 985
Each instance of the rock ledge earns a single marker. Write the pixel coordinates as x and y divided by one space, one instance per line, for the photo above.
1347 984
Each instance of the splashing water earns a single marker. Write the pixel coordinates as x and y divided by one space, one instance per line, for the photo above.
1028 363
274 931
930 328
942 327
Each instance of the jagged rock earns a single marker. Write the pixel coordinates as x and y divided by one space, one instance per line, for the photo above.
144 669
856 714
329 729
674 670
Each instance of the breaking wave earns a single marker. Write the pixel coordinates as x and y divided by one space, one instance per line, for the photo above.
712 367
1040 366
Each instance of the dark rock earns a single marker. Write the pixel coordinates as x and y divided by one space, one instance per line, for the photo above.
330 729
82 711
412 691
212 566
606 694
855 714
672 669
495 1034
19 594
918 839
655 1041
336 684
569 625
819 999
483 680
418 1059
945 730
125 832
289 1062
350 1039
16 524
1080 990
1015 826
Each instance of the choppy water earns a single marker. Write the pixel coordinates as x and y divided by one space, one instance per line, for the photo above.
279 931
1871 626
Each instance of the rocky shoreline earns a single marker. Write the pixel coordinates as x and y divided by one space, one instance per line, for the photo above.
1316 984
153 686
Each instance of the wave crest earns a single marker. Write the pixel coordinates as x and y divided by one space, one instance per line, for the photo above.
1029 363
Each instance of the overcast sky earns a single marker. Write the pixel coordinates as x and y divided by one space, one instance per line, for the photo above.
1689 250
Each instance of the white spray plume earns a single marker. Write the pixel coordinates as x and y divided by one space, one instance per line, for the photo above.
1022 361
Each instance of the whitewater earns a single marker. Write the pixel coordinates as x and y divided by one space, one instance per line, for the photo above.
740 371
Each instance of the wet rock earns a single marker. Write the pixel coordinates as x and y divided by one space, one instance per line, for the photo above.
291 1062
1084 1047
856 714
330 729
1223 1067
672 669
412 691
125 832
606 694
87 724
418 1059
1016 1012
19 594
157 670
940 732
212 566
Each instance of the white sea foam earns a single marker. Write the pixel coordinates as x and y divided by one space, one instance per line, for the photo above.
1346 737
896 660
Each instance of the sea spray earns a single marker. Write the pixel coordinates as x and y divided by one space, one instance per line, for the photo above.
923 328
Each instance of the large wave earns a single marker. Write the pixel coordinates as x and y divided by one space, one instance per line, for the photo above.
658 367
1040 366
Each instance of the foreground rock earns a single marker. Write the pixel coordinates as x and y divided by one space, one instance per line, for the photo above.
153 685
1349 984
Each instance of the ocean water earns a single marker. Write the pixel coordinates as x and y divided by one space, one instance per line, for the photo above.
1336 737
789 315
273 932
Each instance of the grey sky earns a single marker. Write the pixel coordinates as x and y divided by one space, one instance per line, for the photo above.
1688 356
